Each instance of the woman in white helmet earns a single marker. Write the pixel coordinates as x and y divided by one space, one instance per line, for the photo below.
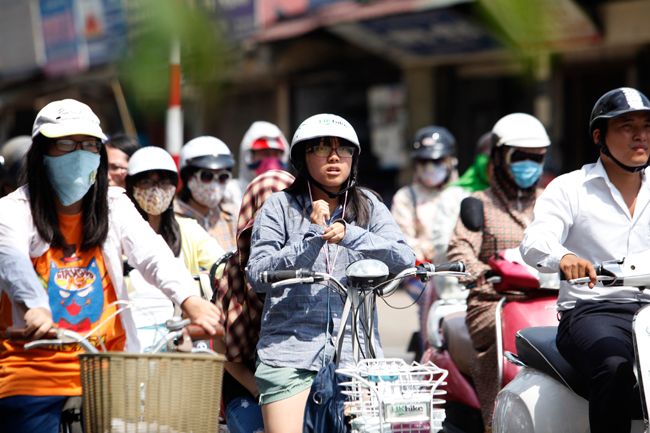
322 222
63 236
151 184
262 148
206 170
519 146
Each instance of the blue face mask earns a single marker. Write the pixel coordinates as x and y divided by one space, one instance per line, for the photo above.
526 173
72 174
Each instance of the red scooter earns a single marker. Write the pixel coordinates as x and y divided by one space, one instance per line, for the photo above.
450 346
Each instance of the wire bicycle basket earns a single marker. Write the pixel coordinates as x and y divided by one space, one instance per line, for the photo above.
391 396
151 392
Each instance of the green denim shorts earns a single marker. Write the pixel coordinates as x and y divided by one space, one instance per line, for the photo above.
279 383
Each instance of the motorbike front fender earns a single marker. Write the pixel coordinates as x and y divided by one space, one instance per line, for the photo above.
534 403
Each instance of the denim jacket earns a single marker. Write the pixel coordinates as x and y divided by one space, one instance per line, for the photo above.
299 321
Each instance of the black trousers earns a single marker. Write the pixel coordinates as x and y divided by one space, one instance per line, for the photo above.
596 338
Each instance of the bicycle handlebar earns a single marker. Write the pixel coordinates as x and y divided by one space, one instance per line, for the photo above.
196 332
22 334
302 276
275 276
457 266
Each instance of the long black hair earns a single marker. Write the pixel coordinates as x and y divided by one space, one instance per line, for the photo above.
169 228
187 172
358 204
41 199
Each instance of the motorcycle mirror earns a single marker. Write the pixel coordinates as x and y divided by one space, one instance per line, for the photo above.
471 213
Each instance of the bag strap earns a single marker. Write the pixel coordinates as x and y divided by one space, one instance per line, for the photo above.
340 335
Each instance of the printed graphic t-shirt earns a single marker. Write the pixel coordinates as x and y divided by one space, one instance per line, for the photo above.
80 294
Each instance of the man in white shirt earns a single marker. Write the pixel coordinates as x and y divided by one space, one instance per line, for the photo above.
598 213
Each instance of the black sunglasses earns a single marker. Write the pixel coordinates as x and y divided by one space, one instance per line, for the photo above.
520 155
208 176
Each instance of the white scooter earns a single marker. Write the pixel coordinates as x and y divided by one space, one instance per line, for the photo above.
548 394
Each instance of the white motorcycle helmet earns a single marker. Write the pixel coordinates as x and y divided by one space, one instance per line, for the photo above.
322 125
520 130
151 158
206 152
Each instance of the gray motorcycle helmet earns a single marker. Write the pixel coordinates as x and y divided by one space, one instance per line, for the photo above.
433 142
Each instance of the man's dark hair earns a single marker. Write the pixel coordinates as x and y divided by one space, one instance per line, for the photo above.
126 143
42 195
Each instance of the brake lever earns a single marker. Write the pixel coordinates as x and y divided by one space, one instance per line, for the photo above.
585 280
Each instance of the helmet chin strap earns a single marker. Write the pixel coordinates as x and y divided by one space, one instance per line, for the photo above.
632 169
351 184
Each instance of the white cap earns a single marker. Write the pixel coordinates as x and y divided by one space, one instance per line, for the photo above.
151 158
67 117
520 130
206 152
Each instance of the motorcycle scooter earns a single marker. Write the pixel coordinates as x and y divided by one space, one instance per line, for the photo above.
548 394
450 345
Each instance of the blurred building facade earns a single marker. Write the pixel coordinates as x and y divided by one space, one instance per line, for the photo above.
387 66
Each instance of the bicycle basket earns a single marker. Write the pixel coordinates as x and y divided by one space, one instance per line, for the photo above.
391 396
152 392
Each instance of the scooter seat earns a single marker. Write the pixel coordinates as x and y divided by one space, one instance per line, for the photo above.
536 348
459 343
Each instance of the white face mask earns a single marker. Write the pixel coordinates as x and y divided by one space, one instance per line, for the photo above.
154 200
209 194
431 174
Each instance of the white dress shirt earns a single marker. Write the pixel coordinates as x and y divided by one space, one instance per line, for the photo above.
583 213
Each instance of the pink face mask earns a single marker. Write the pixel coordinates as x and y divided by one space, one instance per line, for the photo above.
269 164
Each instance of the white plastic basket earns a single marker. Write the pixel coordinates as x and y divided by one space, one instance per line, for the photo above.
391 396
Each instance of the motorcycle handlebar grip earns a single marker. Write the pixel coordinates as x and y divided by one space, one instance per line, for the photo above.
275 276
451 267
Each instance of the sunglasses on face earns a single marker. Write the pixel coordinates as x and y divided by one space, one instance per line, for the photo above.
324 149
68 145
516 155
207 176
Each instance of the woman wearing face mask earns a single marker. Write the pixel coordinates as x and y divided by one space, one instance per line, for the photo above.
151 184
62 239
262 148
426 211
322 222
206 169
519 145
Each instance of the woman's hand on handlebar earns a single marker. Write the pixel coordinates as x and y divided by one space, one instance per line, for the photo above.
574 267
38 321
203 313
